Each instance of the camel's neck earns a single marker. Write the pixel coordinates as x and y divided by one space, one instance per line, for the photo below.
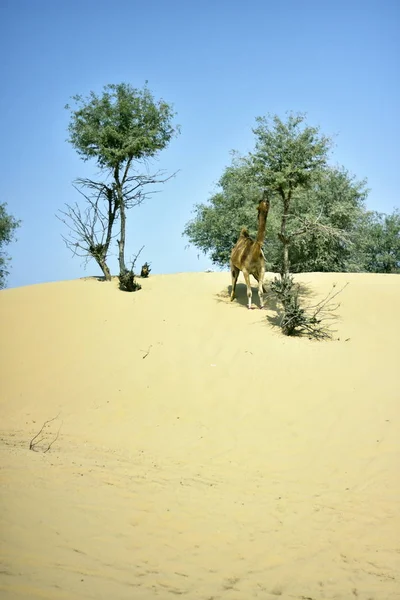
262 222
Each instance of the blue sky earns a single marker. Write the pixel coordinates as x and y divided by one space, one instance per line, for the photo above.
221 63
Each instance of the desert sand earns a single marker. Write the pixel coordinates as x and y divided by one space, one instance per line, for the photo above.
200 453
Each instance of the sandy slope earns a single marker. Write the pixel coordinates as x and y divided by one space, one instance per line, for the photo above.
200 453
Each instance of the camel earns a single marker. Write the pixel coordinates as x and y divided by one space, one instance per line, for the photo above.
247 255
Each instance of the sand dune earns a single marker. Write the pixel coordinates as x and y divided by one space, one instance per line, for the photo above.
200 453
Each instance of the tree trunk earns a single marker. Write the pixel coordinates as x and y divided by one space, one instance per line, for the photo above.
285 258
121 241
283 236
104 267
119 190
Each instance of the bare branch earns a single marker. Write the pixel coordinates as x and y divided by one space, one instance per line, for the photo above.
134 186
145 355
91 228
326 305
313 320
136 257
34 443
54 440
126 171
313 225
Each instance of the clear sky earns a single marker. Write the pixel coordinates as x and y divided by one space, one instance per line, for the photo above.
221 63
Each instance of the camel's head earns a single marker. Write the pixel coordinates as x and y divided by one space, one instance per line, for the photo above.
263 206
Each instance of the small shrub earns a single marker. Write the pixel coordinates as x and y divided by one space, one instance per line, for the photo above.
312 321
294 317
127 281
145 271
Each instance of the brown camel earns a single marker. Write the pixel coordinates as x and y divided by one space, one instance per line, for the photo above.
247 255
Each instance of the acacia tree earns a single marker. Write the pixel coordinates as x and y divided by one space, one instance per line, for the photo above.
378 242
290 163
121 129
289 156
8 225
333 203
332 208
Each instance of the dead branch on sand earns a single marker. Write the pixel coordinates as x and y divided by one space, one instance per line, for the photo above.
34 443
147 352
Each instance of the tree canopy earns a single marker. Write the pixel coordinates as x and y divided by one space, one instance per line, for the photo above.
8 225
287 154
326 225
378 242
122 124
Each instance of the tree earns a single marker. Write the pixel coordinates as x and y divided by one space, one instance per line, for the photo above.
290 159
378 242
92 229
121 128
289 156
290 163
8 225
334 202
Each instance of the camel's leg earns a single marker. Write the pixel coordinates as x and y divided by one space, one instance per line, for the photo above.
258 278
235 274
261 287
247 280
263 272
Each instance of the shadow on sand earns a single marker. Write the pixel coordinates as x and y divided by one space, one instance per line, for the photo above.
270 300
96 277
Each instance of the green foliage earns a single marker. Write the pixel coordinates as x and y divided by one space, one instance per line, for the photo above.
118 128
8 225
287 154
122 124
287 160
377 242
335 199
335 203
216 225
327 227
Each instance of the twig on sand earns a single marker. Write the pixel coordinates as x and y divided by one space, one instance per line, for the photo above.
147 352
34 443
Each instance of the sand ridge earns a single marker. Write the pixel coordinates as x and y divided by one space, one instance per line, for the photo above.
200 452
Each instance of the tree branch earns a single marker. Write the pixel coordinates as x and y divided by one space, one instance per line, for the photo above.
91 229
136 257
314 225
34 443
